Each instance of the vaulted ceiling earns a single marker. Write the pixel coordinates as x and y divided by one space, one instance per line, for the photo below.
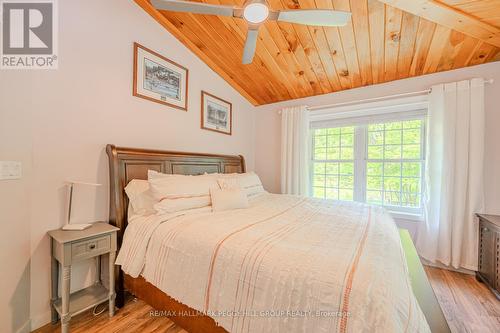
386 40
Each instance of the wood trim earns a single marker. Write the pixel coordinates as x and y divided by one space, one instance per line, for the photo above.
146 5
203 93
186 317
447 16
135 93
496 56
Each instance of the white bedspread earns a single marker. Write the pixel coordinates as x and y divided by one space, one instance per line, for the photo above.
286 264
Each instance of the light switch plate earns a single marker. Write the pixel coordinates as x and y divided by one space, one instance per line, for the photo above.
10 170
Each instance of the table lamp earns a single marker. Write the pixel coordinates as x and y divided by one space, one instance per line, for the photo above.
75 226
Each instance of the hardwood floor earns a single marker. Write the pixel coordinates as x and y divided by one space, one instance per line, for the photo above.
133 317
467 304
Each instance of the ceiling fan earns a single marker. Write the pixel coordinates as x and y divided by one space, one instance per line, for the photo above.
256 12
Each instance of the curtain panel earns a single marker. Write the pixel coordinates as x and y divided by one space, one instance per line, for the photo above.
454 188
295 150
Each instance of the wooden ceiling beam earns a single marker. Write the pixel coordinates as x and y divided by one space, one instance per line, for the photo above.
449 17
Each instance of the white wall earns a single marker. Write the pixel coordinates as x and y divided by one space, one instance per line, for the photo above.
267 123
58 123
15 144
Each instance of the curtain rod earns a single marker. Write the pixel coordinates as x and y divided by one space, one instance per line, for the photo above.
415 93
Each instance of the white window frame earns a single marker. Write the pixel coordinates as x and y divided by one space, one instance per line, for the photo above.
312 160
360 117
421 160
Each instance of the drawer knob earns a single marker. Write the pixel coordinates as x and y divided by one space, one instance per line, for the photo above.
92 246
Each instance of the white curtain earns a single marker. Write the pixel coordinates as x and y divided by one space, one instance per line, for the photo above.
295 150
454 174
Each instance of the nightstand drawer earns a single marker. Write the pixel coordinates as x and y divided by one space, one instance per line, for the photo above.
90 247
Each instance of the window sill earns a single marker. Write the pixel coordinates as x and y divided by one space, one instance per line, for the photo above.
406 216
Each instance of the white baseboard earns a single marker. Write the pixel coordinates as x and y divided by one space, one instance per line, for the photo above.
438 265
26 328
40 320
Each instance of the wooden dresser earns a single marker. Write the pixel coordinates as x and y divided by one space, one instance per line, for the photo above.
489 252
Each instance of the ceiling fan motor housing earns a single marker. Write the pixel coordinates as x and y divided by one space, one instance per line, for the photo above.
255 11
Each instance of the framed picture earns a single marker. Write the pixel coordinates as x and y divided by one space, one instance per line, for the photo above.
159 79
216 114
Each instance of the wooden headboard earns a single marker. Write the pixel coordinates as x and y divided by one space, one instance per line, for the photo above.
126 164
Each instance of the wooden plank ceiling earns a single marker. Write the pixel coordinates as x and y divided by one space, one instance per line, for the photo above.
381 43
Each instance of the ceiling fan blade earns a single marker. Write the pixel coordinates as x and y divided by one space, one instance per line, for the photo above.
250 45
193 7
317 17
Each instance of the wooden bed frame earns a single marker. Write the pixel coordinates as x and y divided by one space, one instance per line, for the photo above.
126 164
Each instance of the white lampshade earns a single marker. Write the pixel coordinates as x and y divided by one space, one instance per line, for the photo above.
76 182
69 225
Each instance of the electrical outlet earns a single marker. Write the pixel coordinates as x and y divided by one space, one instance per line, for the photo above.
10 170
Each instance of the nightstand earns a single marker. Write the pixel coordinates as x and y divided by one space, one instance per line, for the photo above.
489 252
68 247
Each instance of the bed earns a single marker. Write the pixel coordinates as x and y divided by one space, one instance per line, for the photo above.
279 265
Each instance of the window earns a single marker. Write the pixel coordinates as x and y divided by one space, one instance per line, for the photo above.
378 163
334 163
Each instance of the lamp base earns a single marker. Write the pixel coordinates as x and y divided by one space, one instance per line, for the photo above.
77 226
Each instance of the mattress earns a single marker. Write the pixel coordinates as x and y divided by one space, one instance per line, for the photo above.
285 264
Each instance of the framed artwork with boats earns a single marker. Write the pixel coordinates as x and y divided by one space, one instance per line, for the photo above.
159 79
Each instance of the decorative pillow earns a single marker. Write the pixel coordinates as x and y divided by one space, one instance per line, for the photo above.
249 182
140 197
155 174
176 205
180 192
228 199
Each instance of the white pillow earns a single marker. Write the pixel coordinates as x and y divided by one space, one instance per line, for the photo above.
181 192
156 174
228 199
176 205
140 197
249 182
181 186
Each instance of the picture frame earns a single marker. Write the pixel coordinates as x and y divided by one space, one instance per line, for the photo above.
216 114
159 79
